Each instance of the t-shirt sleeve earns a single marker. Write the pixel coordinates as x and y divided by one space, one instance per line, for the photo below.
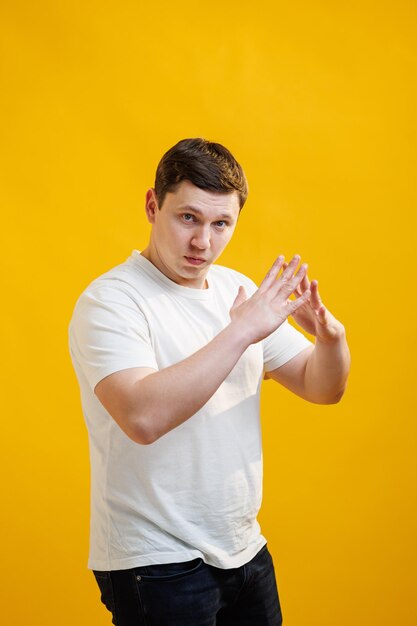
282 345
108 333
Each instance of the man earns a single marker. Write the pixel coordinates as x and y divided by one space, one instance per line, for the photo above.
170 351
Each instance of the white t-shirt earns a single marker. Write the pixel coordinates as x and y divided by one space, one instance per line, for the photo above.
196 491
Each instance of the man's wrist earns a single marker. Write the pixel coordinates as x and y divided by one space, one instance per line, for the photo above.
240 334
336 335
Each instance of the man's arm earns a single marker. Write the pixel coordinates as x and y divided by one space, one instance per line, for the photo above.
147 404
319 373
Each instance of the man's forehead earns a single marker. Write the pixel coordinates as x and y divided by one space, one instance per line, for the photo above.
191 198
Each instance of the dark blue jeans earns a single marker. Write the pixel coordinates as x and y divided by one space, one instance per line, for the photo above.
193 594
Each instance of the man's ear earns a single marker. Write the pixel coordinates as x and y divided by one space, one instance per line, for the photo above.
151 205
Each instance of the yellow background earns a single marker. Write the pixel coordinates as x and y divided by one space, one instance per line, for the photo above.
317 100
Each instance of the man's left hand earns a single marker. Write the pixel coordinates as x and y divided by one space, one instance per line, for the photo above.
313 316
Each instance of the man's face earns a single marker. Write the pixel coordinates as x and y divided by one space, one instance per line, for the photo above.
190 231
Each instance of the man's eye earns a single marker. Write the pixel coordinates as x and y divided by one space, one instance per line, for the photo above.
221 223
188 217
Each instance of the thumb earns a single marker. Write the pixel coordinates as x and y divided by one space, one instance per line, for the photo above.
240 298
322 315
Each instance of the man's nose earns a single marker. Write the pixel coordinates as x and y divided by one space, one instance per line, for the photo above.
201 238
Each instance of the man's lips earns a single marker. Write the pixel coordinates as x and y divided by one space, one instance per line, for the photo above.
195 260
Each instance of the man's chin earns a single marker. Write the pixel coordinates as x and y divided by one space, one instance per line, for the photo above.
188 274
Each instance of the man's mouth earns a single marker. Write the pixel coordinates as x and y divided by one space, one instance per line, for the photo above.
195 260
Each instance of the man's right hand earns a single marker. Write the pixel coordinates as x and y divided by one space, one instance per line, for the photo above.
262 313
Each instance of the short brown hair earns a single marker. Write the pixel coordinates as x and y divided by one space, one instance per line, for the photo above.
207 165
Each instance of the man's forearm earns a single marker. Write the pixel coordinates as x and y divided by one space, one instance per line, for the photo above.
327 370
167 398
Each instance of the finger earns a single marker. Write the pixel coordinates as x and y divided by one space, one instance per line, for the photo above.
240 298
287 272
315 299
284 267
305 284
322 315
293 305
272 274
286 287
290 267
300 289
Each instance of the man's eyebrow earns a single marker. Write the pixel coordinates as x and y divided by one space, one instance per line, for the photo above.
190 207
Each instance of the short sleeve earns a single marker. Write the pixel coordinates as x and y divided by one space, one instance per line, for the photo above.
282 345
108 332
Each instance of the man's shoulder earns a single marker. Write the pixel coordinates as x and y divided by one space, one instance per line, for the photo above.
112 286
